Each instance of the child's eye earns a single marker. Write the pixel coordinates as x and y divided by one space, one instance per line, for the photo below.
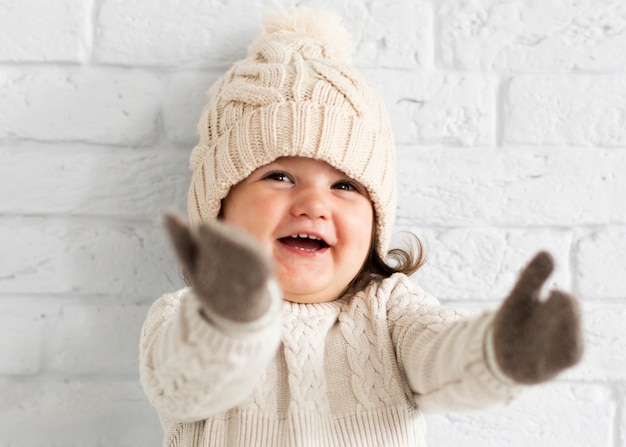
346 185
278 176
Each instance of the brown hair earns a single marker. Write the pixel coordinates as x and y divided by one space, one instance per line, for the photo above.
400 260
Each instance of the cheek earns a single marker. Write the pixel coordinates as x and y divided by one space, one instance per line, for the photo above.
236 211
359 223
250 214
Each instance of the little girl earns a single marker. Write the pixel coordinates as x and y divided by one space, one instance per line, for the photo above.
297 328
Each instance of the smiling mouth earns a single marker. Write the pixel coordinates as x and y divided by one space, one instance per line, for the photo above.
304 242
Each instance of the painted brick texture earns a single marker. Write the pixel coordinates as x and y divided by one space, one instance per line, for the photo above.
510 120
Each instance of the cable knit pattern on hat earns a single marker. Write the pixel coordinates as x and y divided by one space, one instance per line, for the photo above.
294 95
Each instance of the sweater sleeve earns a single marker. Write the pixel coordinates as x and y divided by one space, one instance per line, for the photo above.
446 356
193 367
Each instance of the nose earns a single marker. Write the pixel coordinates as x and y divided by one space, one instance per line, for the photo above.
312 202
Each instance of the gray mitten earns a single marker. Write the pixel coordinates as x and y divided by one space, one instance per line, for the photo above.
535 339
227 270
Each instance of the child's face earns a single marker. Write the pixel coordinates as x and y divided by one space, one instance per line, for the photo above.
301 196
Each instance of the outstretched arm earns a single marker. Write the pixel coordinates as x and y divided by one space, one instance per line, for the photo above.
203 350
456 363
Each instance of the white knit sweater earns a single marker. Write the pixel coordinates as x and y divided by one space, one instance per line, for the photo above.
358 371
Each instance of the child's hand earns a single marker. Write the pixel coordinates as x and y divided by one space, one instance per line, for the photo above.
536 339
226 269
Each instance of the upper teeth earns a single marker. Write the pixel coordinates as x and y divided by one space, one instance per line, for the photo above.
306 236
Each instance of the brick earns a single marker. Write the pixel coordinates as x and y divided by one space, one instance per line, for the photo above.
574 110
517 187
575 415
533 35
439 109
92 105
387 34
108 342
484 263
601 264
395 34
137 183
204 33
184 98
36 31
75 413
24 324
86 257
622 420
605 345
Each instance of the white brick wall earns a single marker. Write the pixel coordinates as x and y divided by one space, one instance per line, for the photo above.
510 118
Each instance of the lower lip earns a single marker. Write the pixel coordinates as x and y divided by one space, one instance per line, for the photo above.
304 253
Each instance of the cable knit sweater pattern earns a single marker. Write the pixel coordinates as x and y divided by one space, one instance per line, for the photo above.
358 371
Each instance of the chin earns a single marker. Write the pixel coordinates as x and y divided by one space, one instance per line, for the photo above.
308 295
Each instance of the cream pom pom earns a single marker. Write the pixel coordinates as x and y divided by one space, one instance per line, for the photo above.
322 25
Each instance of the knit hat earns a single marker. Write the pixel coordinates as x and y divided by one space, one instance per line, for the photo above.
295 94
